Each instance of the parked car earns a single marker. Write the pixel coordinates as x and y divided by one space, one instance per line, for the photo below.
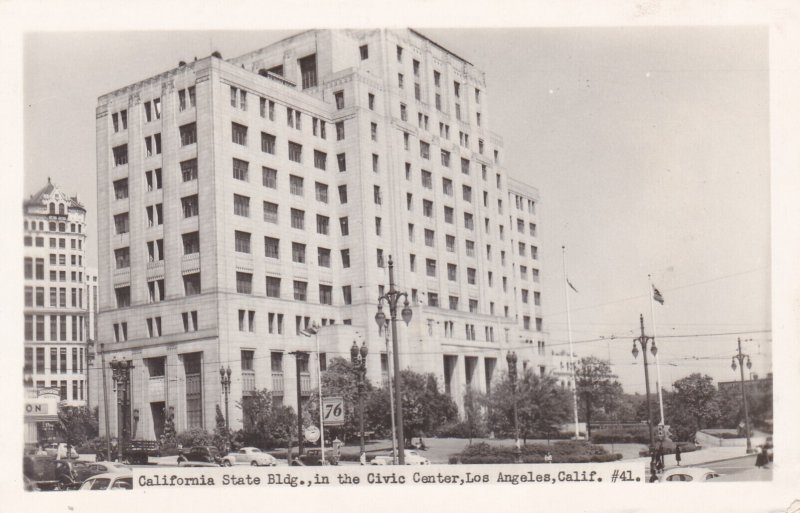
60 450
41 471
134 452
698 474
200 456
313 458
249 456
70 474
411 457
109 481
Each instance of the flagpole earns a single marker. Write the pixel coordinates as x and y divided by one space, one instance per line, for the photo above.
658 367
571 354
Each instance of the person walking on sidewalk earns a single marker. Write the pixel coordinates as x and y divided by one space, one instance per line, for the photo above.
678 454
762 459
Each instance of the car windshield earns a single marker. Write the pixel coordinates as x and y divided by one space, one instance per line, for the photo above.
255 450
124 483
100 484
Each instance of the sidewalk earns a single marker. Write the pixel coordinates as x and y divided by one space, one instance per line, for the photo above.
703 456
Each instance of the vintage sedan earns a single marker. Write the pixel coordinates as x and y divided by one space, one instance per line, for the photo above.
411 457
696 474
249 456
109 481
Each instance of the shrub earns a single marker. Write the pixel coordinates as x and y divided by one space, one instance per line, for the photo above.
620 438
194 436
562 452
461 430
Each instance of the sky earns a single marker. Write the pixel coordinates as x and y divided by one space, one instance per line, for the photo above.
649 146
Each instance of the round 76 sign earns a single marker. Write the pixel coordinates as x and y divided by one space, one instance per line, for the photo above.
333 411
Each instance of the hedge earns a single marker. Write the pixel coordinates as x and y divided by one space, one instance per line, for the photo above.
562 452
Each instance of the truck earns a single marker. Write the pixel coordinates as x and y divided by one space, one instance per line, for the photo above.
135 452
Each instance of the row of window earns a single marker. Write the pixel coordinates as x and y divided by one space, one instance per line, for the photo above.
52 226
58 297
34 270
63 328
58 360
55 243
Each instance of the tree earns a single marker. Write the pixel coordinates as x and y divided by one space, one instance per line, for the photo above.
425 408
265 424
340 379
77 425
221 434
692 406
542 406
474 417
597 388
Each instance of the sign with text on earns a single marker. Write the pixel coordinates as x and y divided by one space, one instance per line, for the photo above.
333 411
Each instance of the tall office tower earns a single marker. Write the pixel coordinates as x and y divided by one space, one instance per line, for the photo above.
244 200
56 308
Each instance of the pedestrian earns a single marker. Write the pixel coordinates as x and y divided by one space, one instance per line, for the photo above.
678 454
653 477
660 457
363 458
548 458
762 458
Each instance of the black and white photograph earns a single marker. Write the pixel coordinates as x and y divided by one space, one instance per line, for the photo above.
418 256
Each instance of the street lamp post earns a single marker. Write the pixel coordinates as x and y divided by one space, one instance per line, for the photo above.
511 359
643 340
121 374
739 356
225 380
392 298
359 359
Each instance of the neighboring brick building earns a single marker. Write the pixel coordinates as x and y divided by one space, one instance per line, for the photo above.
242 200
56 303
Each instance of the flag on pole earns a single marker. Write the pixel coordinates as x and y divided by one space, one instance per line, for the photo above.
657 295
571 286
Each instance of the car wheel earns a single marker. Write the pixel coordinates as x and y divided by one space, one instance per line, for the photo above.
254 463
226 463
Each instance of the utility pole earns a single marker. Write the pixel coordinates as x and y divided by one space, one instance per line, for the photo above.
739 356
643 340
105 399
299 357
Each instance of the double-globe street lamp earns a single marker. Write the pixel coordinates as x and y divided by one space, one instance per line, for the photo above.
225 380
739 356
511 359
643 340
392 298
359 359
121 374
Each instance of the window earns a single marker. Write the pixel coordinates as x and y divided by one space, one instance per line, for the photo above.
344 226
295 152
244 282
267 143
241 205
470 276
300 290
417 91
448 215
323 257
121 223
272 247
450 243
339 99
296 185
342 194
308 71
239 134
452 272
429 237
121 189
469 224
320 160
342 162
242 241
438 101
400 80
298 219
191 284
427 182
325 295
191 243
190 206
322 224
379 255
123 296
155 289
189 321
345 258
122 258
433 299
120 155
453 302
298 252
374 163
412 262
403 112
340 131
371 101
269 177
427 208
240 170
470 248
466 192
189 170
364 50
273 286
409 201
347 295
430 267
376 194
424 150
378 226
446 158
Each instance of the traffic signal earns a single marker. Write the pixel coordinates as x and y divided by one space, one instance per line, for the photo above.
660 431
